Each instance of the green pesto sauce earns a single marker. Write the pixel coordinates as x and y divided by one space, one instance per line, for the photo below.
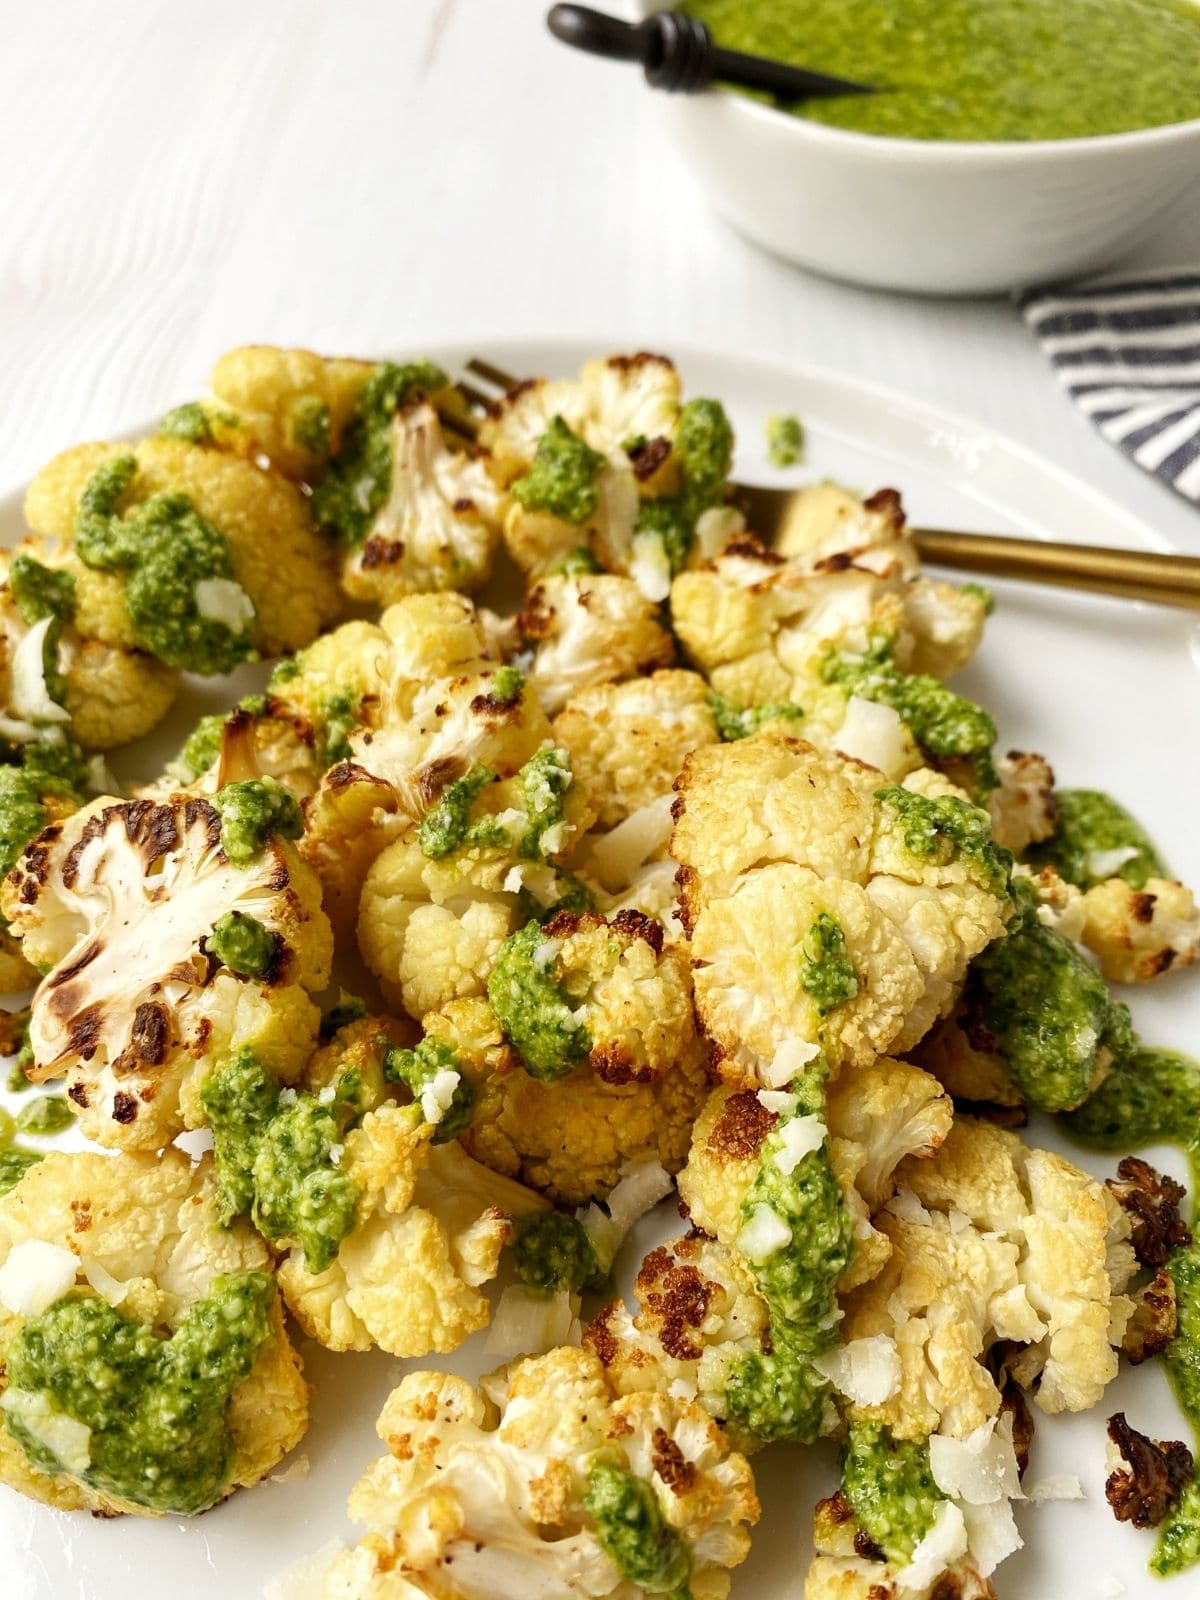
1153 1096
563 476
443 828
733 723
889 1483
579 563
826 970
250 813
1049 1012
46 768
187 422
506 685
165 548
780 1394
785 441
569 894
1089 821
634 1534
348 1009
416 1069
703 445
531 1007
14 1164
942 722
359 478
40 591
274 1154
545 779
239 1098
942 826
44 1117
242 944
339 716
981 69
552 1251
981 593
311 423
156 1407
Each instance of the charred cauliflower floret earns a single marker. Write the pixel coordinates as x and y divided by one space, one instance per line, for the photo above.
193 555
447 710
590 630
571 1134
827 908
146 1368
642 1494
439 524
172 934
1138 935
840 1572
438 904
628 740
993 1240
426 1231
291 406
1022 806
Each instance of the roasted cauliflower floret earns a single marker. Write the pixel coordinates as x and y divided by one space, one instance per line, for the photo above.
439 524
840 1572
427 1231
172 934
992 1240
291 406
438 904
146 1366
1138 935
643 1495
590 630
628 740
192 554
51 673
1022 806
570 1137
826 907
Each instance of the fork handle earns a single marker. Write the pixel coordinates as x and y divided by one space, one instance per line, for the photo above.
1167 580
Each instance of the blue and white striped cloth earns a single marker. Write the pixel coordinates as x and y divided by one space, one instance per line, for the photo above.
1127 350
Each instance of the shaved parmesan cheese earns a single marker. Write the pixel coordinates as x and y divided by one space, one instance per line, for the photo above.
942 1546
438 1094
555 838
617 855
66 1439
296 1470
991 1534
764 1235
866 1371
1110 1586
715 528
778 1101
791 1057
29 693
1107 863
980 1469
797 1139
640 1189
35 1275
874 733
225 602
102 1280
650 567
1058 1486
905 1205
546 953
528 1324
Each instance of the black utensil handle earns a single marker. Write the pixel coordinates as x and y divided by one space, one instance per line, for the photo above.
597 33
778 78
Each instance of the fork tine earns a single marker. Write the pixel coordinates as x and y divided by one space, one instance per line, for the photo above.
472 395
459 424
490 374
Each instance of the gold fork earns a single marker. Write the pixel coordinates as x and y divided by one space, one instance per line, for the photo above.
1165 580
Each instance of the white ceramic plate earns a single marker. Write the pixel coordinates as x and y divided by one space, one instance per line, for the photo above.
1108 690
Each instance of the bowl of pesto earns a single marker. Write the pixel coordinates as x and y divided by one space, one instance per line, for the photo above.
1014 142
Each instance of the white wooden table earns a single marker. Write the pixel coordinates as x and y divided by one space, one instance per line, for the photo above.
354 174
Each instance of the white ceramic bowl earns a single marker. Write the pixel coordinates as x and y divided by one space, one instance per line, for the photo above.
925 216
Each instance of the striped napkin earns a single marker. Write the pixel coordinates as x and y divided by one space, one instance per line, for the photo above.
1127 351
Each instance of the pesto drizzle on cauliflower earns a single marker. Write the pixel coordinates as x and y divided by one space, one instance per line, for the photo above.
531 1007
642 1545
1090 826
167 552
780 1394
155 1407
826 970
250 813
889 1483
427 1072
563 475
941 826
